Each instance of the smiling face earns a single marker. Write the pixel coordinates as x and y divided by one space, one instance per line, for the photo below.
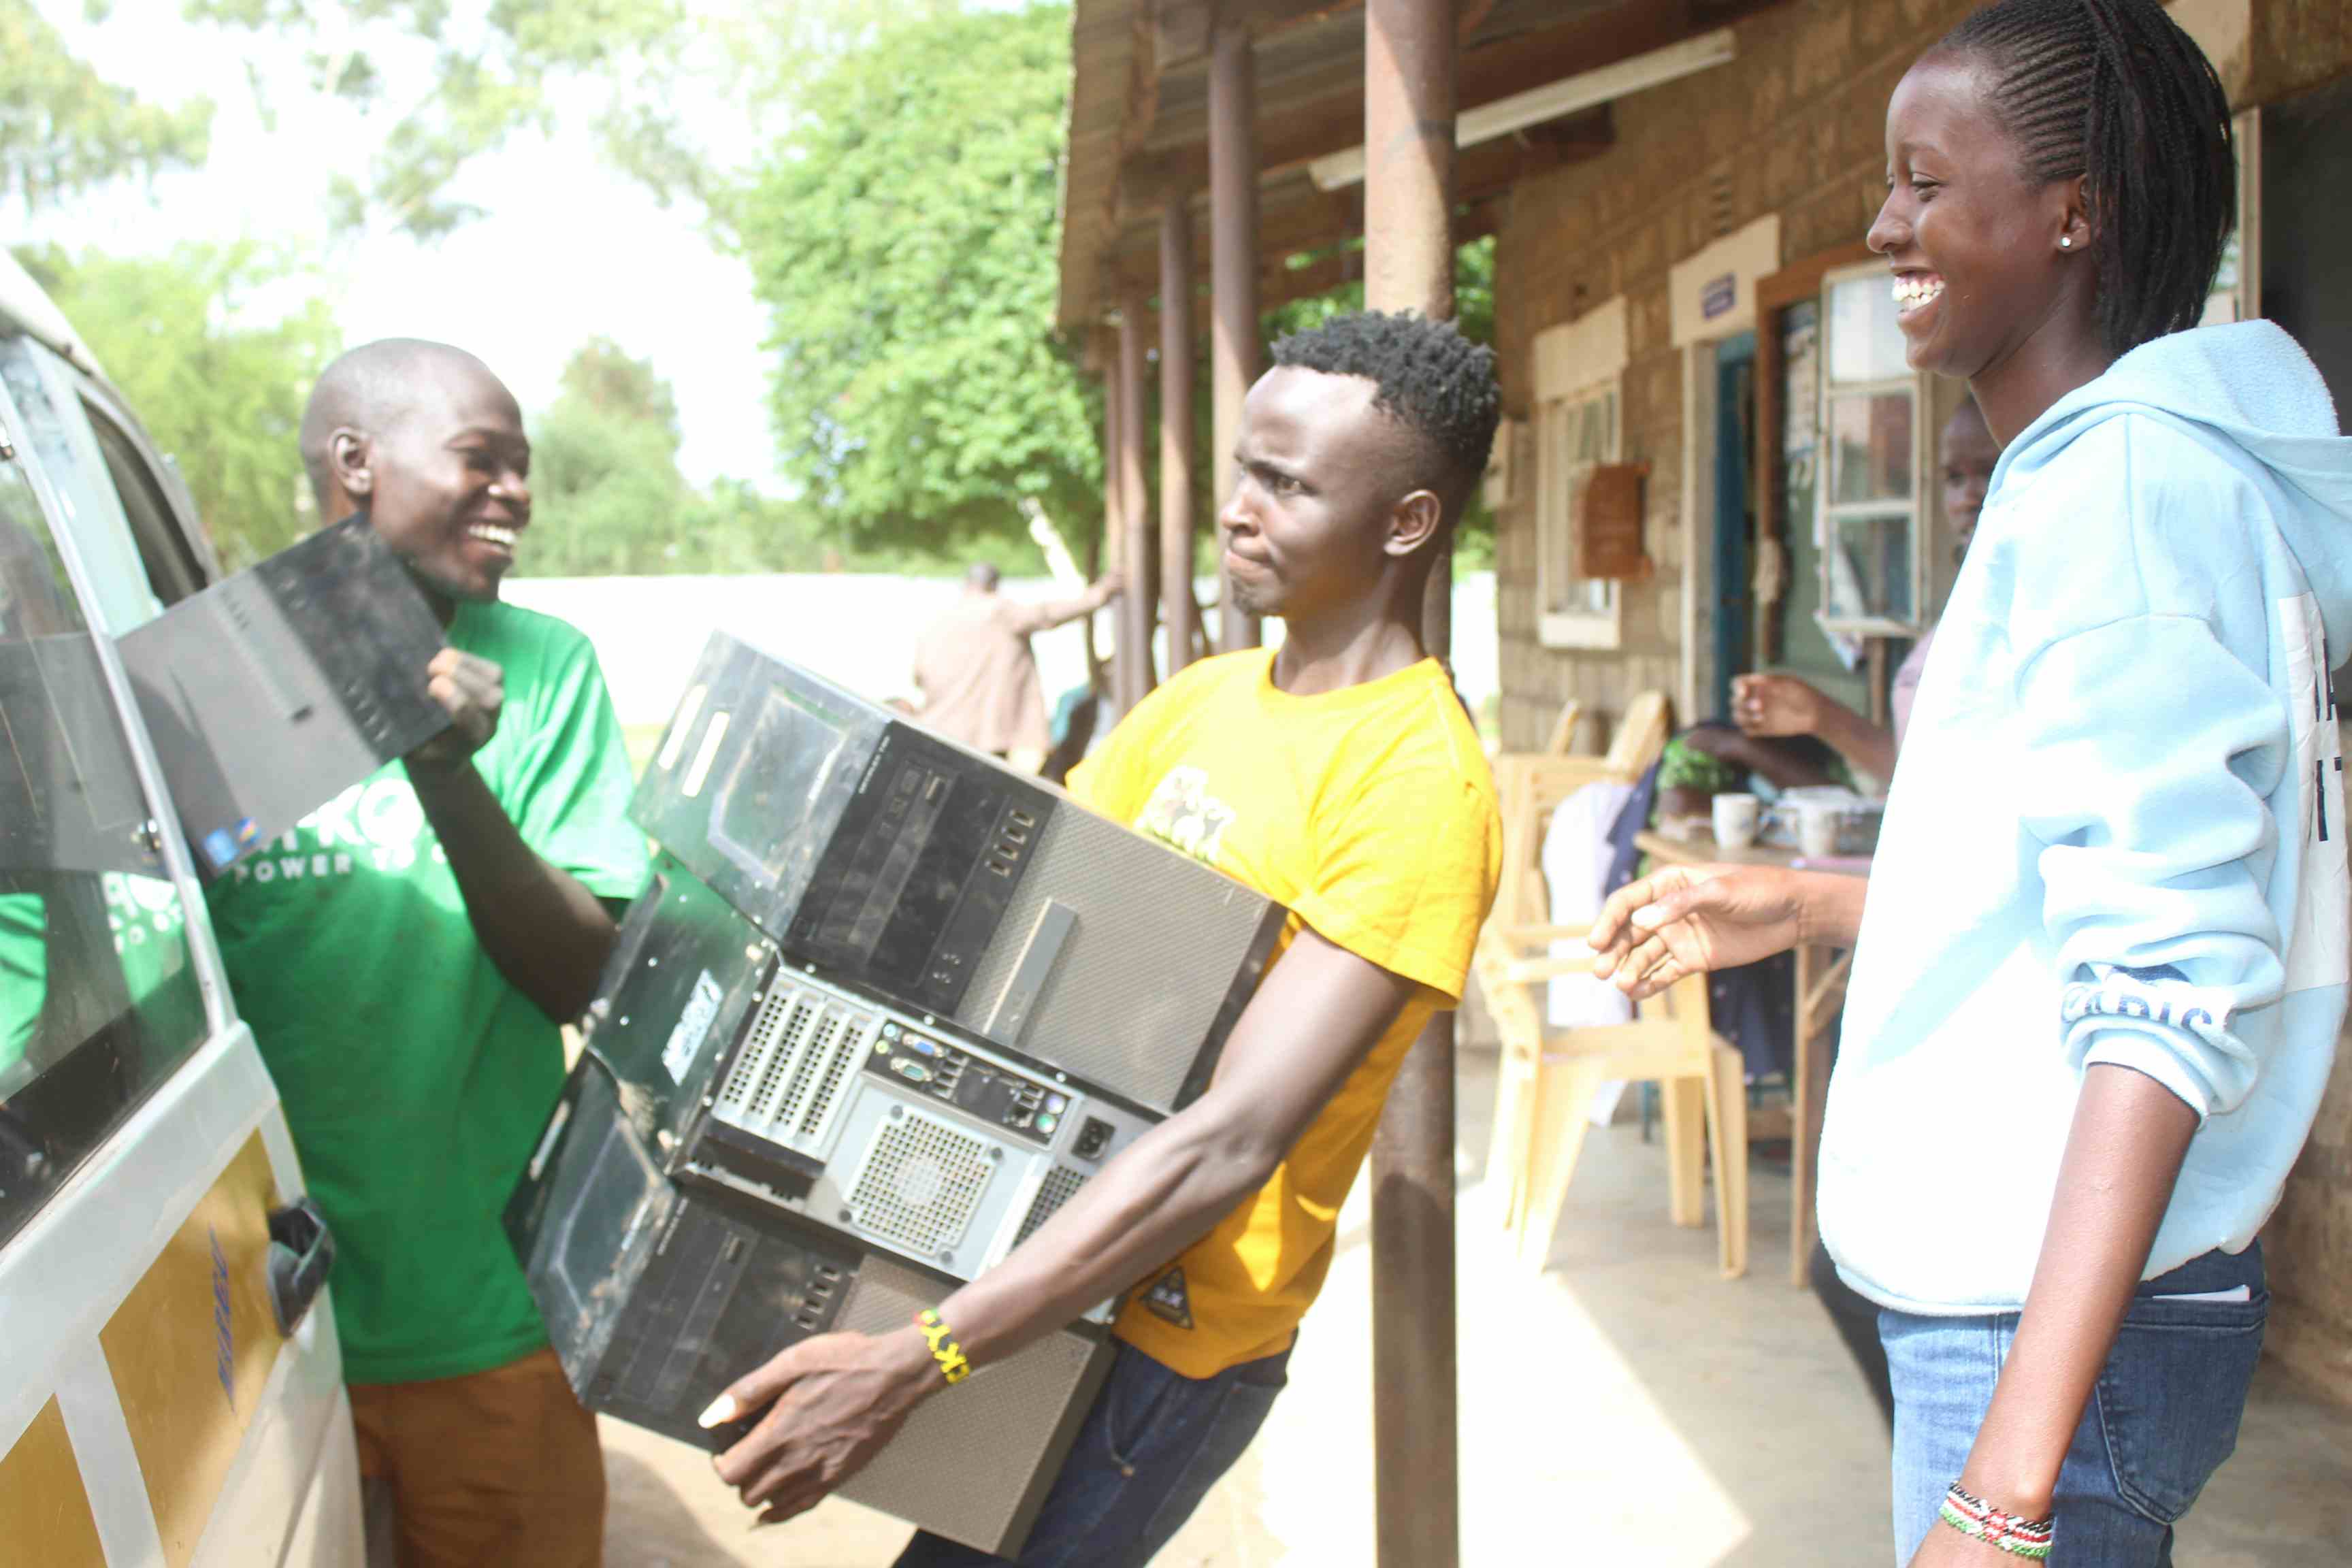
1319 510
447 479
1975 244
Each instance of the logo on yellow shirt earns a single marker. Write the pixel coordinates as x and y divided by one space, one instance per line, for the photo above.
1183 813
1168 1299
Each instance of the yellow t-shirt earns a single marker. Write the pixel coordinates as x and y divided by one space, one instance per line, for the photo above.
1369 814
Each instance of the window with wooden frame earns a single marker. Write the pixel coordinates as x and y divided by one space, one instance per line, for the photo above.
1870 516
1574 436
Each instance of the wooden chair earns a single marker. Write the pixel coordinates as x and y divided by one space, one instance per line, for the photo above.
1547 1079
1530 784
1563 730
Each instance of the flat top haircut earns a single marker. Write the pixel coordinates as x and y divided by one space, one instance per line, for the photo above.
367 390
1434 380
2114 93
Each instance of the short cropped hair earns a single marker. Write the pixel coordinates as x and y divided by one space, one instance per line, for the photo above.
1434 380
366 389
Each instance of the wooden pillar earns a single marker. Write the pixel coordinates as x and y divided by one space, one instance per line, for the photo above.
1235 352
1103 353
1409 110
1177 439
1137 546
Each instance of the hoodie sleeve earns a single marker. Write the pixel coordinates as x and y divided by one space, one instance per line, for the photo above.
2149 751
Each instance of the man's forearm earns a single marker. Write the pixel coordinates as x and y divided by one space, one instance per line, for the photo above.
548 934
2123 1155
1864 745
1164 1193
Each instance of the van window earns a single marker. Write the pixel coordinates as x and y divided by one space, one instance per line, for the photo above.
98 1000
176 566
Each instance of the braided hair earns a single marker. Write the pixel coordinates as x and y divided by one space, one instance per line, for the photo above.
1436 383
2113 92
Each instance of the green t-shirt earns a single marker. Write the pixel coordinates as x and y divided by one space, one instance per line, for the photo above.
415 1077
23 980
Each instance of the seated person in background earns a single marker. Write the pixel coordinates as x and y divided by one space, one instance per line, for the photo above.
1339 775
977 675
1784 705
404 957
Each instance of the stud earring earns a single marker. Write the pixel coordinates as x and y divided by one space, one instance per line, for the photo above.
2065 242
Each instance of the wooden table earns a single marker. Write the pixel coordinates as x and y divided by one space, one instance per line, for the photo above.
1821 992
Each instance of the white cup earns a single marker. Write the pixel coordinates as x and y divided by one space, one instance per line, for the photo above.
1735 820
1816 830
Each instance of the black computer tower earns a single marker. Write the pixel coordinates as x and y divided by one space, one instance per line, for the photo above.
658 1294
907 868
272 691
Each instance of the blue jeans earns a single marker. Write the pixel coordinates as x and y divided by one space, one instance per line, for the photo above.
1152 1447
2162 1418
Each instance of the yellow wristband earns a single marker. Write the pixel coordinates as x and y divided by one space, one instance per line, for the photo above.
944 1351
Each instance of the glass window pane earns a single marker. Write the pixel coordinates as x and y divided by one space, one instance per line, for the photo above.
62 442
1868 569
1864 342
1870 448
98 1000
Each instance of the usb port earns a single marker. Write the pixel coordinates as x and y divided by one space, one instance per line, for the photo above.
1001 867
1024 821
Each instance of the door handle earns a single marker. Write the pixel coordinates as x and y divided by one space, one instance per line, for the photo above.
301 1251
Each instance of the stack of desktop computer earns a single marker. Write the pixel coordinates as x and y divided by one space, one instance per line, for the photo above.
886 1006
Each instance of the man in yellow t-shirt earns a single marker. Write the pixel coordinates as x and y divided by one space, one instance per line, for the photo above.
1339 775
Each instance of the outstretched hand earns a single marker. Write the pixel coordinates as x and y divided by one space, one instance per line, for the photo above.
1692 920
832 1402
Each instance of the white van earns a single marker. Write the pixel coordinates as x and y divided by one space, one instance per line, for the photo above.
172 1389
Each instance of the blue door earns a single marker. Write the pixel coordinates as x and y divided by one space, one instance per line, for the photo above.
1734 521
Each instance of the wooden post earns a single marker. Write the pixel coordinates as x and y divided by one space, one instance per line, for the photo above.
1235 352
1105 350
1176 428
1409 111
1137 546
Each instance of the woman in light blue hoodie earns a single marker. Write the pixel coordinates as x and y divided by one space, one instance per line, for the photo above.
2096 993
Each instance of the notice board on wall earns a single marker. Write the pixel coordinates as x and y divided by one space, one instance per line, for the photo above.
1609 523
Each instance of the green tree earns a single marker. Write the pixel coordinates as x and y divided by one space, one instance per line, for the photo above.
607 493
903 236
63 130
218 381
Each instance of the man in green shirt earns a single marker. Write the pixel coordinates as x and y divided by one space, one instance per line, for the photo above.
404 958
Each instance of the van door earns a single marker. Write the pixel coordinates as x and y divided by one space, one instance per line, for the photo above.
174 1393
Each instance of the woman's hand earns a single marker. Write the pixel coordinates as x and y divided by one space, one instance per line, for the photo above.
1948 1548
1691 919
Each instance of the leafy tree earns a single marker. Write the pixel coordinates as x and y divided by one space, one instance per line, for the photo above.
218 381
63 130
607 493
903 236
608 497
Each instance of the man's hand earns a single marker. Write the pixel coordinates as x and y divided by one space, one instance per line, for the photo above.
833 1402
1691 919
1948 1548
1107 586
473 691
1776 705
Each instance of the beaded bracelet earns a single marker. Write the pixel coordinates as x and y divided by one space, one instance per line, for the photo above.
1974 1517
944 1351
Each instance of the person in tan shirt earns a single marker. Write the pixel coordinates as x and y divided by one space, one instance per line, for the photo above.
978 677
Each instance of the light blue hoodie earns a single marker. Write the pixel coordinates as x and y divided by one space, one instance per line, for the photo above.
2116 833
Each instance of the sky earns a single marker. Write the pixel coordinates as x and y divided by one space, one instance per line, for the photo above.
566 250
